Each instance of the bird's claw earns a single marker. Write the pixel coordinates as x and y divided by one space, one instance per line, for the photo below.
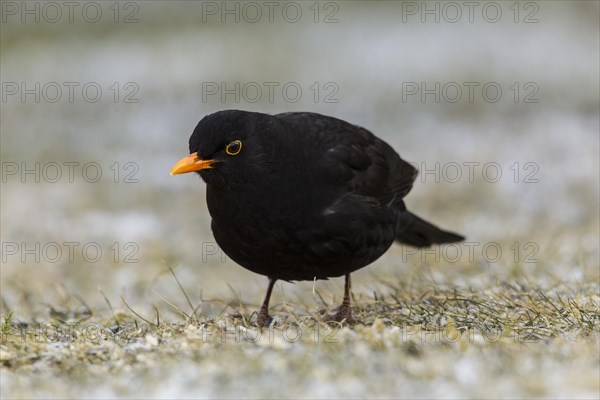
343 316
263 320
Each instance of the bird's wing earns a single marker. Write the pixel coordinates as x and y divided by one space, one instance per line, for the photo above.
351 157
388 177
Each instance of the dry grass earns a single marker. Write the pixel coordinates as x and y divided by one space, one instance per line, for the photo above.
422 334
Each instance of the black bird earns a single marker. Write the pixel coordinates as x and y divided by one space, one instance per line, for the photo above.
302 196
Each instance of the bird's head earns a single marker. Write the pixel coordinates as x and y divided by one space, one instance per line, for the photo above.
227 147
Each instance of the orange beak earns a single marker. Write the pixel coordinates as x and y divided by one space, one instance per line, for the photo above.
191 163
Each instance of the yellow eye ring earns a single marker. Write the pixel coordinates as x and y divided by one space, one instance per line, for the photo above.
234 148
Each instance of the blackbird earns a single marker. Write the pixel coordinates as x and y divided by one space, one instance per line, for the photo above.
303 196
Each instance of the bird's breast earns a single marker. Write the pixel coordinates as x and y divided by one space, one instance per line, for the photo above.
310 241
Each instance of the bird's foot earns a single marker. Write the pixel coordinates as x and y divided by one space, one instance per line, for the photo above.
264 319
343 315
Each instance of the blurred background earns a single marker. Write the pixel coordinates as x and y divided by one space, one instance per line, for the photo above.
496 103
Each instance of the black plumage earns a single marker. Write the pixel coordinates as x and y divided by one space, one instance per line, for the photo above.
303 196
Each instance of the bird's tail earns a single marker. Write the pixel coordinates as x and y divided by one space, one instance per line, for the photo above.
417 232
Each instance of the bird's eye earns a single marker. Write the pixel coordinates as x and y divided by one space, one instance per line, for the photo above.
234 148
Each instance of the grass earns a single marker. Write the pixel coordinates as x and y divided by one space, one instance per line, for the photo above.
423 335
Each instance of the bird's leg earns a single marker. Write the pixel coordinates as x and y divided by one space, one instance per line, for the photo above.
344 312
263 316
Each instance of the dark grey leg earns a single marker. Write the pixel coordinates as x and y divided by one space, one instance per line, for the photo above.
263 316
